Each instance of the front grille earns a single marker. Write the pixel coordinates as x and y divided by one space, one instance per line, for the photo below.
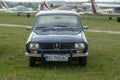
56 45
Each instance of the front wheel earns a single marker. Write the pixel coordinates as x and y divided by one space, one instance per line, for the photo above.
82 61
28 15
110 18
118 19
18 14
31 61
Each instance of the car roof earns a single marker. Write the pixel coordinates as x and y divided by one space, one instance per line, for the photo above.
57 12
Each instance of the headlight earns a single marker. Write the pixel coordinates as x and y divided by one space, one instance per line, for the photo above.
34 46
79 45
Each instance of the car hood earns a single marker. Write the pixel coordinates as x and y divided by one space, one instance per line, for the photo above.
56 38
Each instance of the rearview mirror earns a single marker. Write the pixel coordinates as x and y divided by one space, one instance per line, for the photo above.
29 28
85 27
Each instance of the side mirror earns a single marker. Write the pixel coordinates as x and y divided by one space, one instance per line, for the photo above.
29 28
85 27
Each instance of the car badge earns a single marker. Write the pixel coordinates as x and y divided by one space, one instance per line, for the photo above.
56 46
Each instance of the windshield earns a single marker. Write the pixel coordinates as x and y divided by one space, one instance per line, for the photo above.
56 21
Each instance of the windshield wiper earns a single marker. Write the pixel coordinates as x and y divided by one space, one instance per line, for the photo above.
41 27
71 28
60 26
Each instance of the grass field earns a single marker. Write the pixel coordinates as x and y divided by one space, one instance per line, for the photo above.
103 61
93 22
8 18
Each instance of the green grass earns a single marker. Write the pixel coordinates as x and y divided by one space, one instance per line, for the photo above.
92 21
103 61
101 22
11 18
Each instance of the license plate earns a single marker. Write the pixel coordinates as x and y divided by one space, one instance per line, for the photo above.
56 58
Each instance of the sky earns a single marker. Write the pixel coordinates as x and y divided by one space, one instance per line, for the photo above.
60 0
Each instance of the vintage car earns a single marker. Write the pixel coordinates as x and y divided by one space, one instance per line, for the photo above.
57 36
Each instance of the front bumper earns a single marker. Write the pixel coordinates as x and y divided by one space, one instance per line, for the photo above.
71 55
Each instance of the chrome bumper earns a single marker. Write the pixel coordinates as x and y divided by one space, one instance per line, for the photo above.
73 55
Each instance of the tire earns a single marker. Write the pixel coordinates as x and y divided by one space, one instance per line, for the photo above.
28 15
83 61
32 62
110 18
18 14
118 19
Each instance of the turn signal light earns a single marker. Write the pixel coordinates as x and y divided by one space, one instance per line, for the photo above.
80 51
33 52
